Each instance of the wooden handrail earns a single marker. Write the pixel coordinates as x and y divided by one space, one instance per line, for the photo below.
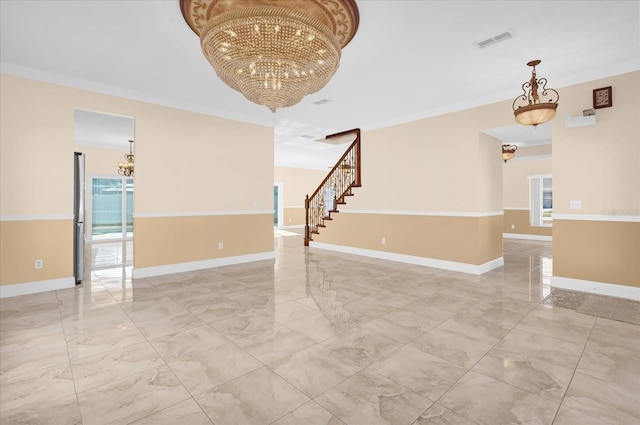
337 180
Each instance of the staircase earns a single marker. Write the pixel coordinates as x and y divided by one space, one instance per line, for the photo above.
335 188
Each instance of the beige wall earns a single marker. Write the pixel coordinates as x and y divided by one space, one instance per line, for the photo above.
597 251
297 183
599 166
515 189
199 238
467 240
294 216
515 183
439 164
25 241
432 187
186 164
521 222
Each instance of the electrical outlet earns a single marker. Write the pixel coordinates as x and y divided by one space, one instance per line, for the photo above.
513 226
383 241
39 264
220 245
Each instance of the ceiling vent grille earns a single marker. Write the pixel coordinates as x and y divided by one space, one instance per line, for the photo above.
321 102
495 39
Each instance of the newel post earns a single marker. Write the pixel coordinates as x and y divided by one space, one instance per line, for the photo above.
306 224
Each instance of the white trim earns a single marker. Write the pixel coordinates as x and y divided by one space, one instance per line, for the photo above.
294 206
7 291
593 217
530 157
293 226
540 176
36 217
601 288
425 213
516 208
527 236
411 259
140 273
200 213
111 90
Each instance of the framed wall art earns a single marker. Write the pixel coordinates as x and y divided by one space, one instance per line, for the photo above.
602 98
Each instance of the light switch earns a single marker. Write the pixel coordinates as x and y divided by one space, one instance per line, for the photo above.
575 205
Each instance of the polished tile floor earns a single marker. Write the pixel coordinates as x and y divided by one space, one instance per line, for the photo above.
318 337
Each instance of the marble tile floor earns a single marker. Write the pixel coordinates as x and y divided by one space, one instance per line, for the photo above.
318 337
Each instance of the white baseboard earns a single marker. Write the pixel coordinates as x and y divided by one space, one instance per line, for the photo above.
526 236
411 259
293 226
7 291
600 288
139 273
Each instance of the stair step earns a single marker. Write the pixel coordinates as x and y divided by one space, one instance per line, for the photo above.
321 225
348 194
334 211
327 218
341 203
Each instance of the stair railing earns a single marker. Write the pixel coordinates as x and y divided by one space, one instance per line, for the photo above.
334 188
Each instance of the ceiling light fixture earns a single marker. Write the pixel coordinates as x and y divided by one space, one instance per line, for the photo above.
533 108
126 168
508 152
274 52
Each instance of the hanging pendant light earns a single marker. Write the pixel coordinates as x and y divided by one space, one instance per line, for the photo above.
126 168
535 106
274 52
508 152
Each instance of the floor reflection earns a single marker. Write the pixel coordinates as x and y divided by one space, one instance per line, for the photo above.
316 335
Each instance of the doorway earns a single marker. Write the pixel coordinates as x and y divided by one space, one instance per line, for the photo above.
105 139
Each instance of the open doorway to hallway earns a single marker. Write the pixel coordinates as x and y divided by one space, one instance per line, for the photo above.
104 139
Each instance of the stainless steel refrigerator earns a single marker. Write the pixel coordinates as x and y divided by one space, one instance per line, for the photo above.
78 216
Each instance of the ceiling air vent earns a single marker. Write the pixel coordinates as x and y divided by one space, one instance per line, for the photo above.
321 102
495 39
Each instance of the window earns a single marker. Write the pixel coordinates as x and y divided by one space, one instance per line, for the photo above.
541 200
111 208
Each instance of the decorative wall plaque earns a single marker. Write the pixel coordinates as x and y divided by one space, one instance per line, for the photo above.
602 98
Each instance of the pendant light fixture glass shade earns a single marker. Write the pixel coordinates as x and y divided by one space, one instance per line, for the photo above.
537 104
508 152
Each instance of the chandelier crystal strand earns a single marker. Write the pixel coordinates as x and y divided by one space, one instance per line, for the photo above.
274 52
273 55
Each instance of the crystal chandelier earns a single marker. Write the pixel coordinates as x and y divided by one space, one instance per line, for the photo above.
274 52
534 107
126 168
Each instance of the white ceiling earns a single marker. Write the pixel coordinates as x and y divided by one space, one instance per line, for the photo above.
408 60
